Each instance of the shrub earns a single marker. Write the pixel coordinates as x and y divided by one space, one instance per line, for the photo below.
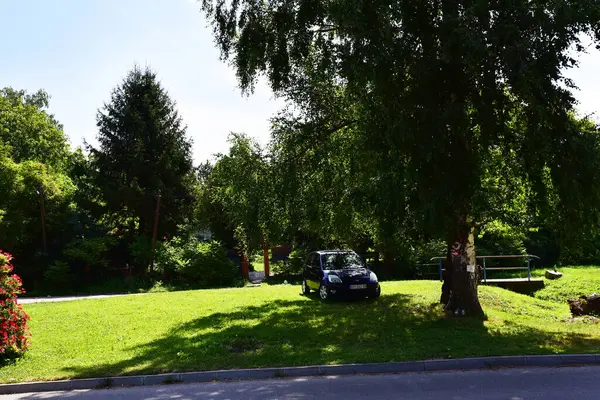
90 251
141 251
498 238
293 266
13 320
59 277
202 264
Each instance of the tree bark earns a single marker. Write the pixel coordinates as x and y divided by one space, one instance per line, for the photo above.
266 261
464 298
447 275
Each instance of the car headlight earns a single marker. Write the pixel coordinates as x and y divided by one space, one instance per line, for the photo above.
334 279
373 277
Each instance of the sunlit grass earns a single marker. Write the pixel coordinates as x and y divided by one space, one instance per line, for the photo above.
576 281
276 326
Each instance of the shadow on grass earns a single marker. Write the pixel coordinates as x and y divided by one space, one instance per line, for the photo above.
396 327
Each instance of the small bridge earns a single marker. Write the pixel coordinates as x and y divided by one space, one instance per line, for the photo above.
521 285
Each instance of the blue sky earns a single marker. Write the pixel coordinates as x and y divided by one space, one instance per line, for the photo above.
79 50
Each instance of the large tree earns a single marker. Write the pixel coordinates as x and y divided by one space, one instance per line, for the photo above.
441 85
143 153
241 185
34 156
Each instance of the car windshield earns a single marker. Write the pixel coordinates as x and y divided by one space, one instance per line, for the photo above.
341 261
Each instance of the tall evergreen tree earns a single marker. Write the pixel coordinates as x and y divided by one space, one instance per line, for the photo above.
143 153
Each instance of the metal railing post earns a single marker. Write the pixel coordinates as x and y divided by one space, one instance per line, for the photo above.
484 272
441 268
528 269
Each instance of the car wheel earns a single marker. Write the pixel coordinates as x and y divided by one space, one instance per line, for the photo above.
305 288
375 293
323 292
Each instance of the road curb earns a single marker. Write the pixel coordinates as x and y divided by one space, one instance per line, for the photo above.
306 371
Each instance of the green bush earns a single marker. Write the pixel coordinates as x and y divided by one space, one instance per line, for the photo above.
202 264
90 251
498 238
141 251
425 251
293 266
59 278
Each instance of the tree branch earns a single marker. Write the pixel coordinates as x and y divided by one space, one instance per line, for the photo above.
329 28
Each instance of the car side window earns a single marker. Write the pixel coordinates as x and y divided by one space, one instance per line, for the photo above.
316 262
309 261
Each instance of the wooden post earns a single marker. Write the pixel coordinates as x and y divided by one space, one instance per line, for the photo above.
266 261
245 267
158 197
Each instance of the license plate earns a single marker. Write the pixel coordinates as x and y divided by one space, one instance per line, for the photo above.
358 287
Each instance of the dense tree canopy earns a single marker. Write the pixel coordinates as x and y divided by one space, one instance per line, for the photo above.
241 186
34 155
29 131
438 89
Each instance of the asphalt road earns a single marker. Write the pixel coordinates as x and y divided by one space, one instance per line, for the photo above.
580 383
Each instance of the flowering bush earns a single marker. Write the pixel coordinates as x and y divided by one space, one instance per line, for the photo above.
13 320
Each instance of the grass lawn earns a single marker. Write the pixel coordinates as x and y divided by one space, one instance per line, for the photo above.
276 326
576 281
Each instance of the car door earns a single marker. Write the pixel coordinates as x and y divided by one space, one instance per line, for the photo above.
308 270
314 271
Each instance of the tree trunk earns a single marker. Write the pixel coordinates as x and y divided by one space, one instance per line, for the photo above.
245 266
266 261
464 299
447 276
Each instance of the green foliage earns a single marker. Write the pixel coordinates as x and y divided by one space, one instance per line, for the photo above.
498 238
424 252
294 264
201 264
143 152
34 157
296 259
90 251
24 184
585 251
87 195
141 252
13 320
411 116
240 186
59 278
29 131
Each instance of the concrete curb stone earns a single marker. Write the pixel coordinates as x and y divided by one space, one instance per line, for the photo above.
575 359
160 379
197 377
300 371
305 371
82 384
343 369
543 361
506 361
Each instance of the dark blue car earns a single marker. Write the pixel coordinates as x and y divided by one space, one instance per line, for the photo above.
338 273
